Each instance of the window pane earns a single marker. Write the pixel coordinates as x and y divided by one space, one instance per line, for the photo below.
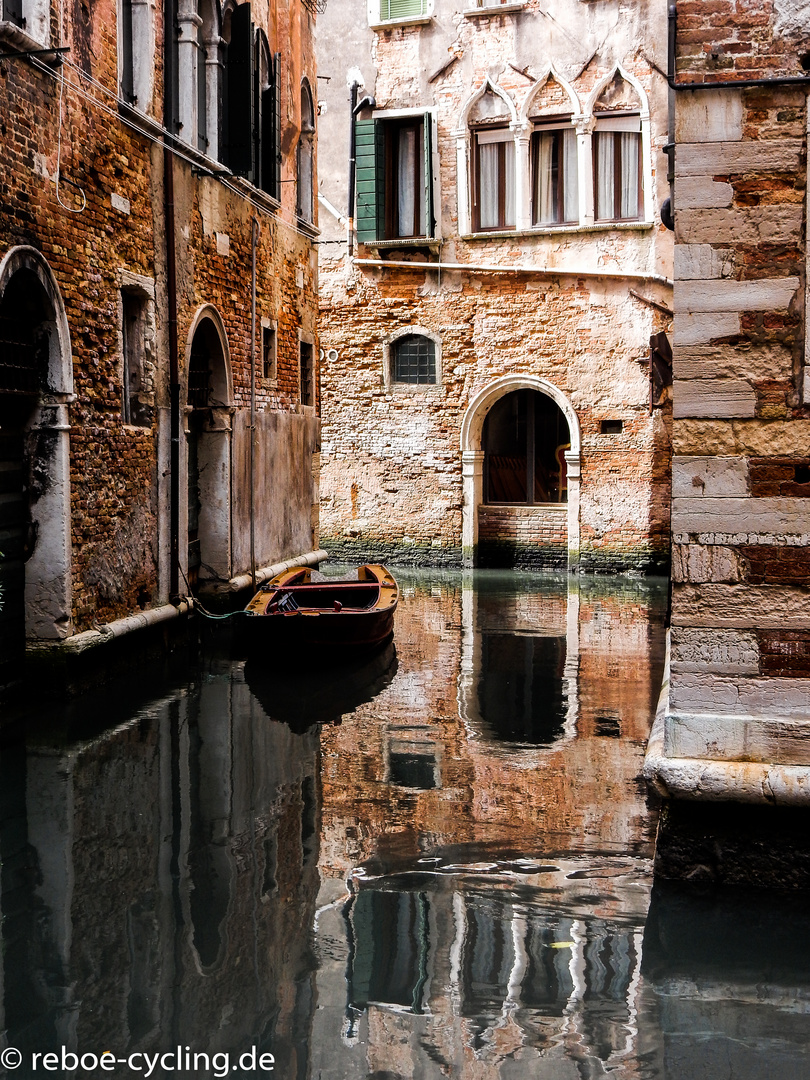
605 204
545 168
415 360
570 176
630 174
401 9
488 185
509 181
410 180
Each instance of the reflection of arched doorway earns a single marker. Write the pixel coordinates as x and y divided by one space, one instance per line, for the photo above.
208 431
524 438
520 444
35 382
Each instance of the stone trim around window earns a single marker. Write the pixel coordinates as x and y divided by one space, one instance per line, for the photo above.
388 380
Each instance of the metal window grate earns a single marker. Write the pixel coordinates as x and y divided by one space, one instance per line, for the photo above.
415 360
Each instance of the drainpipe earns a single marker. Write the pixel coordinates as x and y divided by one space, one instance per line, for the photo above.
254 238
174 378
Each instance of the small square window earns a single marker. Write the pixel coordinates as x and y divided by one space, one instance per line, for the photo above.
414 360
611 427
307 373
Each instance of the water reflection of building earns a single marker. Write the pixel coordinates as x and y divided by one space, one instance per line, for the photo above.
159 881
469 943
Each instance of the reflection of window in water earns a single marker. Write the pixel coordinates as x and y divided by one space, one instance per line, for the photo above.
521 694
389 959
412 763
488 958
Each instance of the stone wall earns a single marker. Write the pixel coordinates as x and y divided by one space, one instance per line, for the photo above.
739 694
84 196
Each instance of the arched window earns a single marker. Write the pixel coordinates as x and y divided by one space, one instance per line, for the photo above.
493 164
617 153
525 437
553 161
413 359
306 162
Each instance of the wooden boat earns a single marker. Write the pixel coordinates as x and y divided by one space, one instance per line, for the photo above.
292 612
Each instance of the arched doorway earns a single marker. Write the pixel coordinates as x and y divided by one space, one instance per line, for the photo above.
520 445
35 384
524 438
209 413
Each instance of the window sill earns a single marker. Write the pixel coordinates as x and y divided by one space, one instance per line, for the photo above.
552 230
392 24
307 228
492 9
560 507
22 41
133 115
433 243
393 387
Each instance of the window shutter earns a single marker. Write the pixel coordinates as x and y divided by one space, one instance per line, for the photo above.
277 123
369 161
13 12
430 217
240 93
401 9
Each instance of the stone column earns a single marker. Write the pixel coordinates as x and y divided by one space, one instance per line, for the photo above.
472 471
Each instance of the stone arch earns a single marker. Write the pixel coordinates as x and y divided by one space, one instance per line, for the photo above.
35 420
209 412
472 456
551 75
488 86
631 80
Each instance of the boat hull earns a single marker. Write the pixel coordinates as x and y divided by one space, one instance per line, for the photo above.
293 614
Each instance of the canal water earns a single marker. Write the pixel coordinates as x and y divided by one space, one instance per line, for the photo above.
440 866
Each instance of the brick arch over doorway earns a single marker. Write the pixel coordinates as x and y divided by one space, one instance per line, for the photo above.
36 389
472 455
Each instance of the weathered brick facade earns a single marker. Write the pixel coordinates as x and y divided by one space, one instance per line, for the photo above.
739 696
103 426
564 309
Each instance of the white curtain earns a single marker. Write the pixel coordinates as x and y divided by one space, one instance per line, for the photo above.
496 178
509 181
488 185
544 187
406 192
604 175
571 174
629 169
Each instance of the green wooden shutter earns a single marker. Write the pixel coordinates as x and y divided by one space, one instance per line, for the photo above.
401 9
239 73
370 166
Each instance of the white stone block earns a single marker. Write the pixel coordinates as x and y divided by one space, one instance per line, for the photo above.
701 192
695 476
780 223
701 329
775 516
717 398
709 116
722 158
702 261
740 696
727 652
766 294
